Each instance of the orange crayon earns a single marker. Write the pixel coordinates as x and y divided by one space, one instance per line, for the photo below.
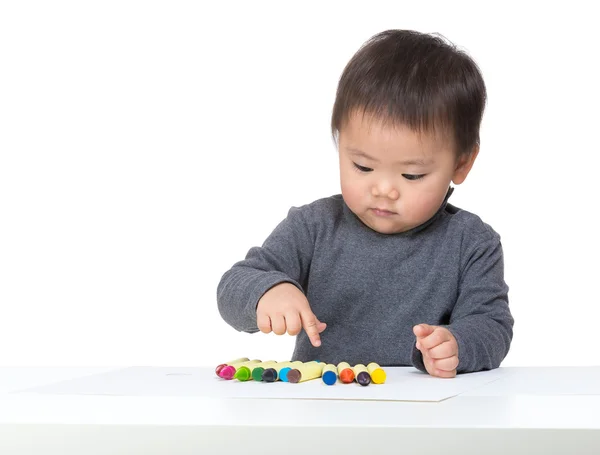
345 372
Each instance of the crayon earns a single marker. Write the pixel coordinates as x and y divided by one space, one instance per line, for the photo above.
377 373
361 374
220 368
257 371
345 373
305 372
272 374
244 373
329 375
229 370
284 371
223 365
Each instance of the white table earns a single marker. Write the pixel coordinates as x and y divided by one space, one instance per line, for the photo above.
530 411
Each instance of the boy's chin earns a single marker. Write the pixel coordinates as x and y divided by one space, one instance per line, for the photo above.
389 231
385 227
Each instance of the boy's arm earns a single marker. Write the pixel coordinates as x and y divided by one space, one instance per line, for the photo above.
481 321
284 257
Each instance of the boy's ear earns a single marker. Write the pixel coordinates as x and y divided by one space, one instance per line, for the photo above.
464 165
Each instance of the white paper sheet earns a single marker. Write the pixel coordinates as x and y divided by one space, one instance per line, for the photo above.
544 381
402 384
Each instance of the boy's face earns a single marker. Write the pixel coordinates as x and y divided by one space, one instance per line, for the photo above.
393 178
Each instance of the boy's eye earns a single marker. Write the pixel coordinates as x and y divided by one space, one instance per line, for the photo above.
362 168
413 176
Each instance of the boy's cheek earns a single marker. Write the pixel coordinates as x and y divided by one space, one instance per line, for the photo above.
351 193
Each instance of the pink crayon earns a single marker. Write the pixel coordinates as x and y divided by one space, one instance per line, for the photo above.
228 371
223 365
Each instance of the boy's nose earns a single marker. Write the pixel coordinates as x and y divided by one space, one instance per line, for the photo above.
384 189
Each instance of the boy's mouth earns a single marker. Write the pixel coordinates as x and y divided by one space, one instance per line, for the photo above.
382 212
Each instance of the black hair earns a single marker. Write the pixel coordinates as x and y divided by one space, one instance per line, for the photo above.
415 79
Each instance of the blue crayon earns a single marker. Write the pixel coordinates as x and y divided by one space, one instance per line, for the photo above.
285 370
283 374
329 376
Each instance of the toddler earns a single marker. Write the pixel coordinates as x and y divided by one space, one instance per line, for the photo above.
388 271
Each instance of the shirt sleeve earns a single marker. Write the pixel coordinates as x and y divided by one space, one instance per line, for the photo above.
481 320
285 256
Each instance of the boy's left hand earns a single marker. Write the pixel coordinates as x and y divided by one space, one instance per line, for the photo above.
439 349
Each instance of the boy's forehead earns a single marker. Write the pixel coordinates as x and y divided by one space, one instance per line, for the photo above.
365 131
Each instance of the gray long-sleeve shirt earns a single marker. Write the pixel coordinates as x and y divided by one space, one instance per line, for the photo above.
372 288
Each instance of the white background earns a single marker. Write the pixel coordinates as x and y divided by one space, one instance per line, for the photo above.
145 147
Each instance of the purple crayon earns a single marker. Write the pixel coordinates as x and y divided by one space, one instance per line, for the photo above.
361 374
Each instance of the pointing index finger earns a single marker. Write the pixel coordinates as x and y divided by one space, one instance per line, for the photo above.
309 322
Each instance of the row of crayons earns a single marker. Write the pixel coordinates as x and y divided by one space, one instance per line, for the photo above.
244 369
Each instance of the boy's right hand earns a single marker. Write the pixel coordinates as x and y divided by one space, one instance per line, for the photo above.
284 308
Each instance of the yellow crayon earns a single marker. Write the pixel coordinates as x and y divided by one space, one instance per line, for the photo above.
345 372
241 359
305 372
282 365
244 363
329 374
265 364
361 374
377 373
